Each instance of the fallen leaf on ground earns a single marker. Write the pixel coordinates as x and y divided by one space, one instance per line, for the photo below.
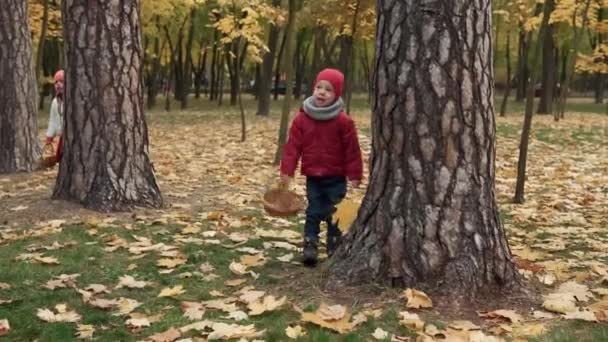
172 291
417 299
238 315
341 326
528 330
126 305
85 331
380 334
295 332
193 310
231 331
253 260
130 282
268 304
237 268
167 336
583 315
463 325
235 282
103 303
62 315
171 263
5 286
331 313
509 315
97 288
411 321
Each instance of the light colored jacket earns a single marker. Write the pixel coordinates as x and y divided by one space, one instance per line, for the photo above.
56 119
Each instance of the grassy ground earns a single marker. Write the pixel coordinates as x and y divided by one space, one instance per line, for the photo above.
213 183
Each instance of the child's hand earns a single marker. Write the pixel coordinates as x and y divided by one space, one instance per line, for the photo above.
355 183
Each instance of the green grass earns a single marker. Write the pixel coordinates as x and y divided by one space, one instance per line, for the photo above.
576 106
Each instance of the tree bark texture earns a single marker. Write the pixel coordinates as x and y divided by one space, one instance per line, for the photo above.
106 164
429 218
19 149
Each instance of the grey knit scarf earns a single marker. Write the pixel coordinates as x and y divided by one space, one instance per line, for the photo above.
322 113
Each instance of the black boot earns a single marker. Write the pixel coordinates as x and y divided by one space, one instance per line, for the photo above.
310 252
332 244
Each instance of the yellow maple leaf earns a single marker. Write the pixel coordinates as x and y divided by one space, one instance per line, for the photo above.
346 213
172 291
417 299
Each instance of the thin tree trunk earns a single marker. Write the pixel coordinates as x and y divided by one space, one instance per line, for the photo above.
366 71
40 53
545 105
318 36
429 219
187 78
289 50
214 67
105 164
599 88
19 149
349 76
503 107
265 84
565 88
522 64
277 73
527 126
221 75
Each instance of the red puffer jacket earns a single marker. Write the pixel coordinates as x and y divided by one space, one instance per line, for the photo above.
327 148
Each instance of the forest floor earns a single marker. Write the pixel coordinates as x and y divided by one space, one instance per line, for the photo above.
211 264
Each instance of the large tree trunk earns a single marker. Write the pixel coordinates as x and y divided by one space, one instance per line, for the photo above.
430 218
106 164
19 149
266 73
545 105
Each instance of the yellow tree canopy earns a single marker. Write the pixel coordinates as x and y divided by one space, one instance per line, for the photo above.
337 16
36 12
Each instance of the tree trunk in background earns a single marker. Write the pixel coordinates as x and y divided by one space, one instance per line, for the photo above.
277 72
549 73
221 76
503 107
300 56
599 87
19 149
429 219
527 126
187 77
365 63
40 53
565 87
200 71
522 64
319 36
289 51
264 87
214 67
106 164
152 77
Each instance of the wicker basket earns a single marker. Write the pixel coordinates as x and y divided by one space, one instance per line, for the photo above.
282 203
49 157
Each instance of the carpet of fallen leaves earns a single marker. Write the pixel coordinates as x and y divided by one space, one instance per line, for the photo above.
559 235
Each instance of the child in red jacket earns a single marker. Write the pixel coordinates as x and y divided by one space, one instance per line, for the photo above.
325 138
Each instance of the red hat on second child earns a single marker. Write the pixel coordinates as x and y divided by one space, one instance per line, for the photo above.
333 76
59 76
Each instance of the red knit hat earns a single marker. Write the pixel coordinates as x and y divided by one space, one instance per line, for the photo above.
59 76
333 76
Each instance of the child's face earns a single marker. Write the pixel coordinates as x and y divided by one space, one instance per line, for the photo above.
59 87
324 94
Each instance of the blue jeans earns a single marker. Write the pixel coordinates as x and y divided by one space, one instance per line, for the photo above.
323 193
